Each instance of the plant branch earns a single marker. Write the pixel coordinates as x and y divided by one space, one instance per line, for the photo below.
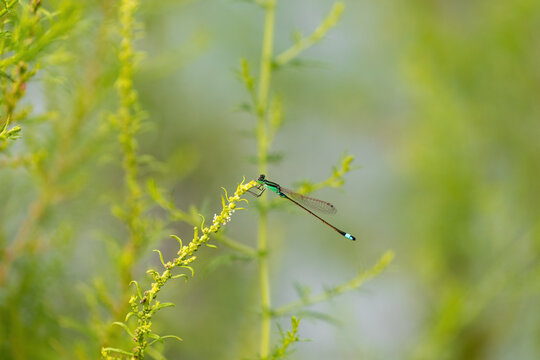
287 340
193 219
263 145
266 56
8 7
306 42
335 180
359 280
144 305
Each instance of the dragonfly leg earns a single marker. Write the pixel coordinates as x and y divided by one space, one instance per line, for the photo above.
261 189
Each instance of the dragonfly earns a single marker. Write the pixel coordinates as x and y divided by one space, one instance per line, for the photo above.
304 202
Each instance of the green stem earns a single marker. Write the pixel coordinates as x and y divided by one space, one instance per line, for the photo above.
358 281
263 143
266 58
265 288
8 6
180 215
304 43
235 245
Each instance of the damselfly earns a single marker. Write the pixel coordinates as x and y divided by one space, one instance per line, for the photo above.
305 202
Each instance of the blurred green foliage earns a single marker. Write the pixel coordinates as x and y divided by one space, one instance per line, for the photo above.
438 102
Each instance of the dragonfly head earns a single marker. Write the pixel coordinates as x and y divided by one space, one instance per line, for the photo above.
261 178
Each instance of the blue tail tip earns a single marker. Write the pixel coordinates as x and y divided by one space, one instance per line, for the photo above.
349 236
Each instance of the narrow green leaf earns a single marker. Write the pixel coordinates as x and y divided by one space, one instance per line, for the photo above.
160 257
177 238
125 327
164 305
161 338
180 276
138 288
243 107
274 157
202 224
190 268
226 195
129 315
154 273
172 337
118 351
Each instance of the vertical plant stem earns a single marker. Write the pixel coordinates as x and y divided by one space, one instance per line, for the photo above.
263 143
128 119
266 57
265 287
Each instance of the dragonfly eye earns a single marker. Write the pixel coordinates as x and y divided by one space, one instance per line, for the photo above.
261 177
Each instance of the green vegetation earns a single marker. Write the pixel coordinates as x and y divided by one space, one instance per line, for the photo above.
118 145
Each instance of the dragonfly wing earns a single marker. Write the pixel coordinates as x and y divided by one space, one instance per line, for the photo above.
311 203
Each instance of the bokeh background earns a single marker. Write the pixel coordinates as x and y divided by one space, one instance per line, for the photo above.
439 102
